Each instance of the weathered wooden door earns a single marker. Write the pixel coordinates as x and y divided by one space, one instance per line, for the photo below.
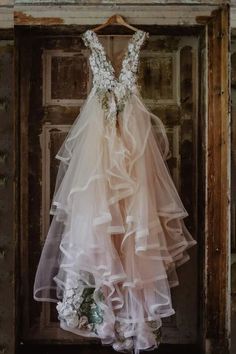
54 81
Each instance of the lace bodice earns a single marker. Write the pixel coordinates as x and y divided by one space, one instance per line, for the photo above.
114 91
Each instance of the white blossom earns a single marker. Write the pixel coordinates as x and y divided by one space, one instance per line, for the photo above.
77 308
68 314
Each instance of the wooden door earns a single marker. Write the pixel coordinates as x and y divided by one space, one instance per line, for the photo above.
55 79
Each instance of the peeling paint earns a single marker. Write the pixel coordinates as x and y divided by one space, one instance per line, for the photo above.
111 2
159 14
24 19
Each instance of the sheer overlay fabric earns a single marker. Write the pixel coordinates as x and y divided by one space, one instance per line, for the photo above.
117 233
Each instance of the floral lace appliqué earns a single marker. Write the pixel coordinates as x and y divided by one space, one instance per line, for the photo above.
78 308
124 343
113 92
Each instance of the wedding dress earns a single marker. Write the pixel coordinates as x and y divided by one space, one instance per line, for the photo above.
117 233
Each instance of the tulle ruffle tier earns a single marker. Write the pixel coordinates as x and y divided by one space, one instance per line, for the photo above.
117 234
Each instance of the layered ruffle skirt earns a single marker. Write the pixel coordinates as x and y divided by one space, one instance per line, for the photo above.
117 233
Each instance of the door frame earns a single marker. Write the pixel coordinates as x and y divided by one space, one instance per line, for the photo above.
214 186
218 166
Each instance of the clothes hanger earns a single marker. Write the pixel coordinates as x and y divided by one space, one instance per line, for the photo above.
115 19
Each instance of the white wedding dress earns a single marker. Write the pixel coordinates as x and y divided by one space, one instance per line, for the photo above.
117 232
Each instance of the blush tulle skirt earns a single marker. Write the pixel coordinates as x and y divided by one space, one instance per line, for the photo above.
117 233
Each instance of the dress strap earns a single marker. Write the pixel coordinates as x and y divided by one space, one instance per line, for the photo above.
139 40
130 66
90 40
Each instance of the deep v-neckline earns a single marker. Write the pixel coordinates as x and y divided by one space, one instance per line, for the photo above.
116 78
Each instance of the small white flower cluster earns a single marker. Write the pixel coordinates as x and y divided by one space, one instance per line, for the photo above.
69 307
114 92
77 306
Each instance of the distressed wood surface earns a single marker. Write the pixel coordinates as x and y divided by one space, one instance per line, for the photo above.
34 12
8 3
218 186
233 16
219 332
233 186
110 2
23 110
6 17
82 15
7 199
233 193
201 187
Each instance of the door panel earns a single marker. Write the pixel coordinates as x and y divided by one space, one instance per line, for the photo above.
57 82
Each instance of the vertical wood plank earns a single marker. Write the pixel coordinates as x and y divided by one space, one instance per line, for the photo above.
218 184
7 205
24 61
